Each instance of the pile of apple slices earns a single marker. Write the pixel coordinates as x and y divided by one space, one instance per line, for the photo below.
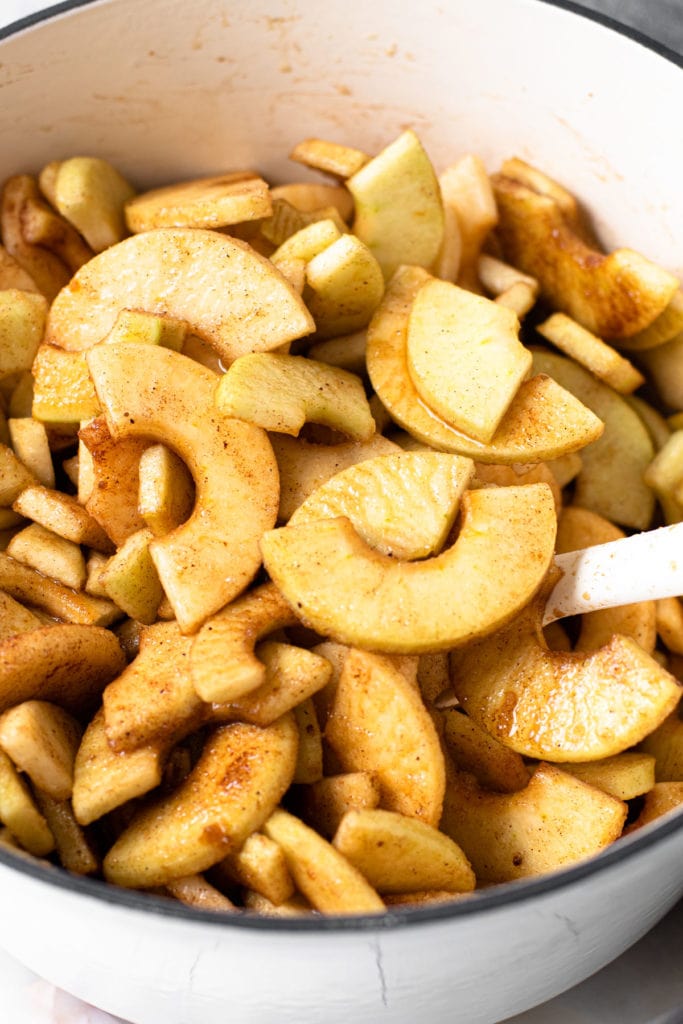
283 470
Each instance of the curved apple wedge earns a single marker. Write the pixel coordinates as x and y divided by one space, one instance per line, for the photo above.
234 787
167 397
556 705
228 294
345 589
402 504
543 420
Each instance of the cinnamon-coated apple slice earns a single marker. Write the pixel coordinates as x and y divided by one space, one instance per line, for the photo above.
167 397
345 589
465 357
542 422
558 705
228 294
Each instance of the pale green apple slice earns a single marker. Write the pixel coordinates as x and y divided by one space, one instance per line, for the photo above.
611 478
399 213
344 589
169 398
281 393
228 294
465 357
543 421
345 286
403 504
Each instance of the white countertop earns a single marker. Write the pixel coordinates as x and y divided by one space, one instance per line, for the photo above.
644 986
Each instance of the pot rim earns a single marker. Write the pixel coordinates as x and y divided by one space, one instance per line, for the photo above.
483 900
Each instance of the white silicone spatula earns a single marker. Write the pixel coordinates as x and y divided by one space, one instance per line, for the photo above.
643 567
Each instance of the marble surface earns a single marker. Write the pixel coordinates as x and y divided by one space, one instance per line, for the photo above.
645 985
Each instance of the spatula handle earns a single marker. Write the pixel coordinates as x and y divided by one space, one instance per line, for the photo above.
643 567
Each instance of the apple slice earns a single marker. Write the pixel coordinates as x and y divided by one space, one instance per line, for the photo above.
236 784
561 706
228 294
543 421
399 214
282 392
344 589
90 193
611 478
556 820
22 322
201 203
344 287
614 296
169 398
379 724
403 505
465 357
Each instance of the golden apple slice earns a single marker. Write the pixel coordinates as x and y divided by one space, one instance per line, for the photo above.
47 270
399 214
555 821
42 739
611 478
111 496
15 618
260 866
474 750
614 295
12 275
146 329
14 476
285 221
212 202
560 706
169 398
543 421
603 361
305 466
403 505
667 326
378 724
63 391
400 854
60 559
67 664
282 392
223 663
32 447
344 589
230 296
90 193
624 776
663 798
22 322
31 587
41 226
665 744
232 790
326 801
465 357
330 157
18 811
61 513
344 287
323 875
105 778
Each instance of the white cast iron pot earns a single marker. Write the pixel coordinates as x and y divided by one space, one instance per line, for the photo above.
166 89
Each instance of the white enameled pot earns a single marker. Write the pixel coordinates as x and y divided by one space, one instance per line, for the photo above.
167 89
